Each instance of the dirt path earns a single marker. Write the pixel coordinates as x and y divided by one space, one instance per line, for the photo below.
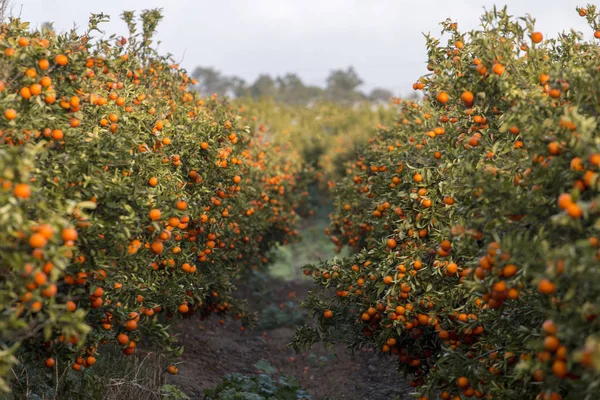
212 351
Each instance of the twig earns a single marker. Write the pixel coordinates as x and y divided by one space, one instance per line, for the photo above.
3 7
56 376
489 352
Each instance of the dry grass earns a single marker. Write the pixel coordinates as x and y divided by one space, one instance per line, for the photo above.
114 377
137 378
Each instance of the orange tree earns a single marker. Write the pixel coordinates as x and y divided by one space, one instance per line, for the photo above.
475 219
125 198
323 133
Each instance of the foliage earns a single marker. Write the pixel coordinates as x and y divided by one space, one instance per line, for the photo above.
476 220
125 199
259 387
280 315
325 134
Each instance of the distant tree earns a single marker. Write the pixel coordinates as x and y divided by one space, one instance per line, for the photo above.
238 87
342 85
210 81
380 95
413 96
314 92
263 86
291 89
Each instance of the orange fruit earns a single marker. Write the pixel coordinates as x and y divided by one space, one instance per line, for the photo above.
70 306
69 234
22 191
462 382
498 69
61 60
44 64
37 240
467 98
122 339
10 114
58 134
172 370
546 287
442 97
537 37
131 325
154 214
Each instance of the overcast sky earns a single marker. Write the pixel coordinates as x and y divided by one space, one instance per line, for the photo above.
382 39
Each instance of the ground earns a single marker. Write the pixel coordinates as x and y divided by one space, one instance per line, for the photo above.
326 373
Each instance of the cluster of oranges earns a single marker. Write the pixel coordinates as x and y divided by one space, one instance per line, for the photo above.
475 221
126 199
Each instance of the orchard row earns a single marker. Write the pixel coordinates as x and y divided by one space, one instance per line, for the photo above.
476 221
125 198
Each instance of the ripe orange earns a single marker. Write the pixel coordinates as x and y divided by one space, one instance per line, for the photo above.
574 210
452 268
498 69
44 64
25 92
22 191
462 382
69 234
559 368
131 325
37 240
546 287
154 214
564 201
70 306
122 339
442 97
10 114
35 89
467 98
157 247
183 308
58 134
172 370
61 60
537 37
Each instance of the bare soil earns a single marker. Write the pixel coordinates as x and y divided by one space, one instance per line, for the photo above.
213 351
